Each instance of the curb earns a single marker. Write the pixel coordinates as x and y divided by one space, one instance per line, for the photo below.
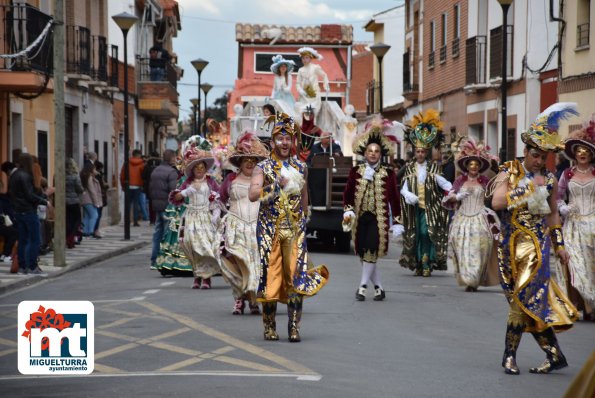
32 280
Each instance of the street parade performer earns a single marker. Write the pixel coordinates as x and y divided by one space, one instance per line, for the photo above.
577 187
423 187
279 184
237 231
370 199
282 82
307 79
200 194
474 229
527 192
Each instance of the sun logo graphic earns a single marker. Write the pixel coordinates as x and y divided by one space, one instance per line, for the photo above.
56 337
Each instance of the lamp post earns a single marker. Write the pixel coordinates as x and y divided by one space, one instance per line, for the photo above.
195 107
125 21
199 64
505 4
379 49
205 89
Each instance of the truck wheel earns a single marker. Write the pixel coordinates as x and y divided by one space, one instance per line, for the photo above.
343 240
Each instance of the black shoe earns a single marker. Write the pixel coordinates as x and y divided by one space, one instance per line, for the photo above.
379 294
38 271
23 271
360 294
136 224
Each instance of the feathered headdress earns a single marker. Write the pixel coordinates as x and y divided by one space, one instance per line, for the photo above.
248 145
543 133
310 52
426 129
470 150
283 124
376 133
583 137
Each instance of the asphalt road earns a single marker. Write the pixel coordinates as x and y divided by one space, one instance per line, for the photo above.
156 337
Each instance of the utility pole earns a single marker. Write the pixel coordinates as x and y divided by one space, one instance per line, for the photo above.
59 140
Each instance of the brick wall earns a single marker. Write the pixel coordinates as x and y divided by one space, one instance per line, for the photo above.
362 65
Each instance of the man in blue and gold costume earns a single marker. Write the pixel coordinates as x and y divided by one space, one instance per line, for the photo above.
279 184
423 187
527 192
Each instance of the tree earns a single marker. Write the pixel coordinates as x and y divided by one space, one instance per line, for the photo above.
219 109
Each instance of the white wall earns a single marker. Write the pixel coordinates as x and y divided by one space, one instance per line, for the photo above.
115 35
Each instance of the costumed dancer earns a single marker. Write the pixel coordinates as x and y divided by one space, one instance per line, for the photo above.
200 193
474 230
239 250
307 79
576 201
423 187
370 199
282 69
530 226
279 184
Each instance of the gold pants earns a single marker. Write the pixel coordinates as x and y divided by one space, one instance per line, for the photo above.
282 265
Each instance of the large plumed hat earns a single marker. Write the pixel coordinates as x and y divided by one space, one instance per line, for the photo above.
384 133
248 145
583 137
543 133
471 150
283 124
197 149
278 60
426 129
310 52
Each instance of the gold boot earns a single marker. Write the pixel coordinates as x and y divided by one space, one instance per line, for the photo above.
554 357
514 332
269 310
294 313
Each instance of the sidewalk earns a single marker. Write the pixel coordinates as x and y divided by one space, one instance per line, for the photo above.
90 251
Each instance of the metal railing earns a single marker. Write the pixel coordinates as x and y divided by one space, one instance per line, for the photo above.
78 50
410 87
455 47
431 59
22 24
496 38
582 34
99 58
114 67
148 73
443 53
475 68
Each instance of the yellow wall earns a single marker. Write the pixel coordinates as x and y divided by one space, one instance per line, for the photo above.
576 62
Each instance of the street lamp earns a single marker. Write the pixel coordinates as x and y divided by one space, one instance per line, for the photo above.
199 64
195 109
125 21
505 4
379 49
205 89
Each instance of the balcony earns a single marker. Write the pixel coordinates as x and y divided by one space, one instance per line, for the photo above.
99 60
496 45
78 52
27 37
410 90
157 94
475 68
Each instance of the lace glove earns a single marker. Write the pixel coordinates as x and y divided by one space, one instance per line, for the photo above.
565 209
348 220
462 195
410 198
186 192
369 173
537 203
397 230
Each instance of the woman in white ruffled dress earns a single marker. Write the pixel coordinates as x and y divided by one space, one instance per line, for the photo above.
308 77
576 194
474 228
282 83
198 237
240 261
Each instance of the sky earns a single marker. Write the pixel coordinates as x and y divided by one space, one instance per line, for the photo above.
208 32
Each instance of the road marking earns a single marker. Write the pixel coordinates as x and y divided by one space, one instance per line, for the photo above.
119 322
115 350
304 377
139 298
8 351
167 283
181 364
151 291
106 369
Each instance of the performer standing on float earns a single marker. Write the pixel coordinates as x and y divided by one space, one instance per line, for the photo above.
199 222
370 198
282 69
239 250
577 187
474 228
279 183
423 187
530 226
308 77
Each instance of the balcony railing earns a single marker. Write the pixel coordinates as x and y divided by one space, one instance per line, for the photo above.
78 50
99 58
496 52
475 52
410 87
22 25
431 59
114 67
372 102
443 53
406 68
455 47
582 34
148 73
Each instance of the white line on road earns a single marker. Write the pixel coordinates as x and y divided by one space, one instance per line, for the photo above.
167 283
302 377
151 291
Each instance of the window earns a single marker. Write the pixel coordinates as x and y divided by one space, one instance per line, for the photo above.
456 30
443 38
432 44
42 151
582 23
263 61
